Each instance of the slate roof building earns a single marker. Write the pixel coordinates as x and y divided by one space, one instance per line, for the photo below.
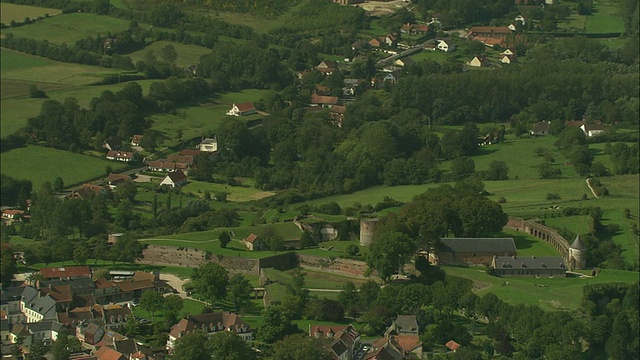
466 251
529 266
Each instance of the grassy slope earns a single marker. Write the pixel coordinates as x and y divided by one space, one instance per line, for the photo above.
40 164
187 54
69 28
17 13
236 193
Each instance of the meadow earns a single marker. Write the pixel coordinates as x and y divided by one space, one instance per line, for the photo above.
17 13
69 28
605 19
236 193
437 56
548 293
187 54
39 164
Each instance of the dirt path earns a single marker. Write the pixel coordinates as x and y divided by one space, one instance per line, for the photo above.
176 283
591 188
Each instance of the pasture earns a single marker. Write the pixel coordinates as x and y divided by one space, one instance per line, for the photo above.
437 56
236 193
39 164
17 13
548 293
187 54
605 19
69 28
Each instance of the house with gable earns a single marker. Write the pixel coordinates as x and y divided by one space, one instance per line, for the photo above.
414 29
327 67
174 179
89 332
41 307
541 128
445 46
209 144
135 140
210 323
479 61
107 353
548 266
242 109
254 243
345 340
113 180
401 341
86 191
10 304
125 156
323 101
589 129
112 143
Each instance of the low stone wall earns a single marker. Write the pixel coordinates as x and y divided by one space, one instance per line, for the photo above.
170 255
284 261
344 267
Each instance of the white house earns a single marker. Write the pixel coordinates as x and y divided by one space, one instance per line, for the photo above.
242 109
209 144
592 130
445 46
174 179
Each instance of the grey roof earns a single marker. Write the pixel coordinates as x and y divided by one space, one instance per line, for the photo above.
43 305
491 245
338 348
13 293
4 325
577 244
29 294
529 263
406 323
45 325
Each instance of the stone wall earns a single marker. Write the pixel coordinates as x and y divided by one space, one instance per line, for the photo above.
284 261
344 267
542 232
170 255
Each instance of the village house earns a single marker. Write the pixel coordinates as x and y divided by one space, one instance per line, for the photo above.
345 340
404 61
323 101
135 140
348 2
541 128
11 304
452 345
89 332
209 144
327 67
589 129
508 59
471 251
242 109
43 332
112 143
107 353
86 191
254 243
479 61
210 323
65 272
401 341
174 179
113 180
125 156
9 216
414 29
165 165
529 266
445 46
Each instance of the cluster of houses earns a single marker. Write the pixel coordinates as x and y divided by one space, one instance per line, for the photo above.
66 301
590 129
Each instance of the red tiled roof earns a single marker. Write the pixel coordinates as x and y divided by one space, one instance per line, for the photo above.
13 212
328 100
67 271
245 106
326 329
112 178
489 30
106 353
407 342
452 345
191 152
251 238
129 285
191 323
120 154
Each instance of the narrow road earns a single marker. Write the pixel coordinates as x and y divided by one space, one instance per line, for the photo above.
591 188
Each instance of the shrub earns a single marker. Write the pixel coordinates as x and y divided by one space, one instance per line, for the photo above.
502 200
552 196
353 250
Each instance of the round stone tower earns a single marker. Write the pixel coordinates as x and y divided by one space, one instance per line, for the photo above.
577 255
367 230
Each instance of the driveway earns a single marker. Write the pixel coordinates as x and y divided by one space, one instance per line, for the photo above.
176 283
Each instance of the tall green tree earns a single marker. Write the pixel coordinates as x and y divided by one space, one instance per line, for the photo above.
192 346
240 292
210 281
226 345
389 252
274 325
301 347
152 302
7 266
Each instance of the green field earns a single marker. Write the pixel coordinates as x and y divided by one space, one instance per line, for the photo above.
203 120
17 13
236 193
554 294
528 245
187 54
437 56
314 279
40 164
69 28
605 19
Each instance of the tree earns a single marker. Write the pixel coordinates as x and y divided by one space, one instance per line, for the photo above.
226 345
172 305
37 350
348 297
272 238
81 254
169 54
498 170
192 346
101 7
224 239
353 250
127 249
210 281
240 292
480 216
58 184
152 301
462 168
64 346
301 347
274 325
389 252
7 266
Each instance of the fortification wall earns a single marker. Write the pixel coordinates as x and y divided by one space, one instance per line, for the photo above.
344 267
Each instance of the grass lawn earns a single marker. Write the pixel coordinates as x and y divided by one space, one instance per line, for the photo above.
20 241
314 279
528 245
236 193
548 293
181 272
437 56
187 54
605 19
39 164
17 13
578 224
69 28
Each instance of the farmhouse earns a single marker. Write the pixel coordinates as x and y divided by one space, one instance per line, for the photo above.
401 341
445 46
323 101
210 323
478 61
11 215
464 251
209 144
540 128
126 156
528 266
165 165
254 243
590 130
414 29
113 180
65 272
488 32
135 141
112 143
88 190
174 179
327 67
242 109
346 339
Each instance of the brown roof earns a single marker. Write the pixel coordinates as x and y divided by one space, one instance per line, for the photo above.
136 138
245 106
120 154
185 159
327 64
106 353
103 283
59 293
130 285
574 123
13 212
251 238
452 345
230 321
339 109
67 271
407 342
325 329
162 164
328 100
192 152
177 176
489 30
115 178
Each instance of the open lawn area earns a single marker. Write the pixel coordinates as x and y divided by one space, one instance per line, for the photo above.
548 293
69 28
437 56
236 193
605 19
187 54
203 120
39 164
528 245
314 279
17 13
